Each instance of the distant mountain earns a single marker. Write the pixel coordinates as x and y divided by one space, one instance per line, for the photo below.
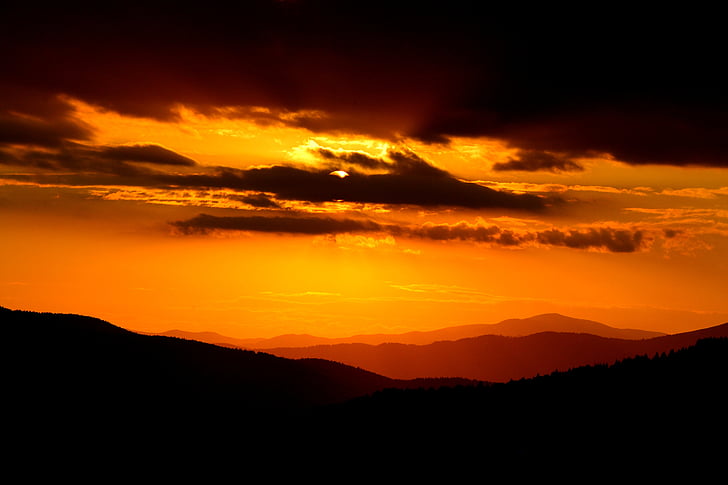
496 358
57 360
554 322
288 340
550 322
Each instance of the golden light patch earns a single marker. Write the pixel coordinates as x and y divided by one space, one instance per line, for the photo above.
339 173
214 140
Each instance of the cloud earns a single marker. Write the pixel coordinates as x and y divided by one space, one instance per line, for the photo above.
535 160
261 201
460 231
355 158
84 160
604 238
410 180
670 233
42 133
406 162
622 83
311 225
697 192
42 130
618 241
40 120
146 153
614 240
227 199
634 134
399 161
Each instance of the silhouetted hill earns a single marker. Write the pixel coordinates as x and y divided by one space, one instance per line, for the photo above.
58 360
642 412
495 358
82 396
515 327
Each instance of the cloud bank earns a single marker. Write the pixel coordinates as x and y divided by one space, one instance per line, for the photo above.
628 84
603 238
407 180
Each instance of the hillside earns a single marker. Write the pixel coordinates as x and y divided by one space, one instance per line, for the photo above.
79 390
58 360
496 358
635 414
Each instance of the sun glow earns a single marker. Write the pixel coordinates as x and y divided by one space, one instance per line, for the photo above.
351 275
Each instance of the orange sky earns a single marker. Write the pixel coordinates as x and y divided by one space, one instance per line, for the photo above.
176 200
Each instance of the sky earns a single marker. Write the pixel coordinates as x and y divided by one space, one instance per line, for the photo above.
340 168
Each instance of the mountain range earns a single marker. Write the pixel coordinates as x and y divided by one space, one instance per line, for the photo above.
515 327
497 358
511 349
640 417
83 394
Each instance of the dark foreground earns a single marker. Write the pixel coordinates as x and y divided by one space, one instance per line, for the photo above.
66 413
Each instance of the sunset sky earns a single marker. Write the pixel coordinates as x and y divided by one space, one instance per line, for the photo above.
337 168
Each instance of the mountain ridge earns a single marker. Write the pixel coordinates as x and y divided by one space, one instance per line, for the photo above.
67 358
639 410
508 327
496 358
642 411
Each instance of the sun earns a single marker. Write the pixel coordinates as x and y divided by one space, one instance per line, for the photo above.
339 173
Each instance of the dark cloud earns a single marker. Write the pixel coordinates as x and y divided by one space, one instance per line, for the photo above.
260 201
311 225
350 59
146 153
671 233
50 131
534 160
411 181
406 162
641 85
357 159
88 159
399 161
618 241
637 135
612 240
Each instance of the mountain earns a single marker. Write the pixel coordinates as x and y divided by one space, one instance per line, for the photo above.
61 360
550 322
636 415
554 322
496 358
287 340
83 397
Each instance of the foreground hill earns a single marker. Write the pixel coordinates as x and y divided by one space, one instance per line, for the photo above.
515 327
57 360
633 415
496 358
